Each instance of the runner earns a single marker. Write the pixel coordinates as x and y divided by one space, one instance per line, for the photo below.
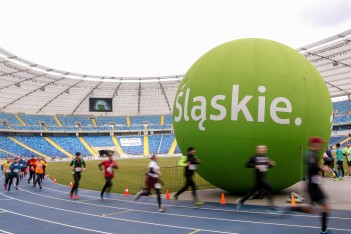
39 170
5 168
31 165
313 180
339 162
77 166
14 173
44 170
190 163
329 162
347 154
153 182
108 171
261 163
23 165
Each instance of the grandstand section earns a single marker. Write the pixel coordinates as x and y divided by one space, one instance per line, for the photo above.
46 111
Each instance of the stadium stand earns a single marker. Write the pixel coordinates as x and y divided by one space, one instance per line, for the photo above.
72 120
342 107
8 145
71 144
99 141
41 145
106 120
10 118
154 144
36 119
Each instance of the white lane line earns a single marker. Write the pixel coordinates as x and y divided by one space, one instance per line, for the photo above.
192 216
113 218
5 232
212 209
53 222
121 212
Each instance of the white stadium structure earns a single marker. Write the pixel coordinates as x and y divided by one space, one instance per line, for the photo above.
31 91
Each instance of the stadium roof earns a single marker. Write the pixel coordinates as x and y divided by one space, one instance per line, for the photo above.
27 87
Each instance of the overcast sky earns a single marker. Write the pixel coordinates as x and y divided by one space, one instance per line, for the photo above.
156 37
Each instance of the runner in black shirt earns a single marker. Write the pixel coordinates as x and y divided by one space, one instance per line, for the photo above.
77 166
261 163
313 180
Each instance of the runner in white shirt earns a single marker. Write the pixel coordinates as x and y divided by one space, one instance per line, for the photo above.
153 182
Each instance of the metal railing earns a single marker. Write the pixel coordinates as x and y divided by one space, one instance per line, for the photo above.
173 179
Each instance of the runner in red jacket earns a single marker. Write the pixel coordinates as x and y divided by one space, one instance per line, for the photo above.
31 165
108 171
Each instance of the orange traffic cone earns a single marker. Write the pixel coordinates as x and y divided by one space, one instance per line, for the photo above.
126 193
167 195
223 200
54 180
293 203
70 184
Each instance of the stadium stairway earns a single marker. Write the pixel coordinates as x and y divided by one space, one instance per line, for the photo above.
118 147
58 147
27 147
9 153
128 121
162 120
87 146
93 122
58 121
20 119
146 145
344 141
173 147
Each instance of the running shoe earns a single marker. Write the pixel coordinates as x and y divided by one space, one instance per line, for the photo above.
71 195
337 179
5 186
175 198
75 197
238 204
102 196
326 232
199 203
162 209
40 187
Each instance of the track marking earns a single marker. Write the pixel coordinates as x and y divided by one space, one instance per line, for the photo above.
53 222
4 199
196 231
190 216
104 215
113 218
197 208
5 232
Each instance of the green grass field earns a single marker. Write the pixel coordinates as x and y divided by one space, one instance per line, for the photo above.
131 172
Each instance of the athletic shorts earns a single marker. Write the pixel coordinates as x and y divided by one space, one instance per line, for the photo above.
150 183
349 163
316 194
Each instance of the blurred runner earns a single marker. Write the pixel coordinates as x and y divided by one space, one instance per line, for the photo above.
190 163
153 182
314 190
31 166
39 170
109 166
77 166
15 169
347 154
5 168
339 162
261 163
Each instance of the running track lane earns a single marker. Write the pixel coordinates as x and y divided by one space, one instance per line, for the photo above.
50 210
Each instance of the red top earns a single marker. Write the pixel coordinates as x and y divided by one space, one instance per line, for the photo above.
109 166
31 165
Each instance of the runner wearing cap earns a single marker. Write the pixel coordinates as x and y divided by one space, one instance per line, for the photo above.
108 171
313 180
153 182
339 162
347 154
77 166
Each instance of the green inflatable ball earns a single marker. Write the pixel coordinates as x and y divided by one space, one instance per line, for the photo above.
246 93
